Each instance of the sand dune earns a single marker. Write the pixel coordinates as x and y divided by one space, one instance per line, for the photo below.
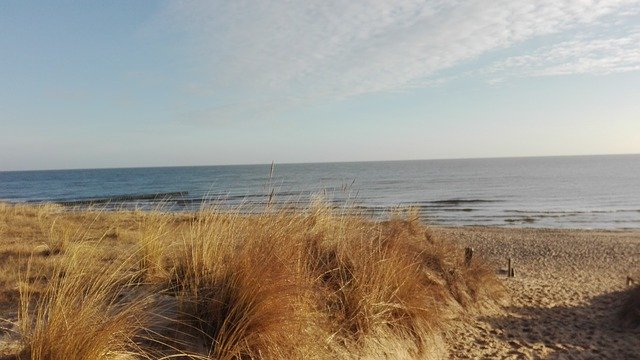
563 302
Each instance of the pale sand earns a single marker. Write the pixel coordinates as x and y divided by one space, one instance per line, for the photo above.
563 300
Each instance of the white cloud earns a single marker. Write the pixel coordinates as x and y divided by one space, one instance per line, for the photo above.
581 56
327 50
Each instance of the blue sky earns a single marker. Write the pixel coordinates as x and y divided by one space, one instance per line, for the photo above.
141 83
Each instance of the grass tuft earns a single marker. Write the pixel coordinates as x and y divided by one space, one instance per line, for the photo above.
84 312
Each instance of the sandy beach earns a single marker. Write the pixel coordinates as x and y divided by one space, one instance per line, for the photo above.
350 180
561 304
563 300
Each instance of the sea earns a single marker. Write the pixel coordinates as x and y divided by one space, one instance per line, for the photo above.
580 192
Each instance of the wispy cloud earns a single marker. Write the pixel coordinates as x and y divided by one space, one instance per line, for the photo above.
581 56
328 50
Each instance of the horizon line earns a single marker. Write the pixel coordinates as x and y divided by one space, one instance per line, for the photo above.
325 162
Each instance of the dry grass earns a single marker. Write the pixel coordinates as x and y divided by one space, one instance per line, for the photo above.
311 284
85 313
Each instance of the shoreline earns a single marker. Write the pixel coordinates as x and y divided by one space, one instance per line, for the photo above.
89 204
527 228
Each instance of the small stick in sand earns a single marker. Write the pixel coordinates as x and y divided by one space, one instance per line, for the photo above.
630 281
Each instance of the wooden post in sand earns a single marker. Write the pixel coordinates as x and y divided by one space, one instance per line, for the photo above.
468 255
510 272
629 281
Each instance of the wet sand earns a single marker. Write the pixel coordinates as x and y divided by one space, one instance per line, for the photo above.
564 299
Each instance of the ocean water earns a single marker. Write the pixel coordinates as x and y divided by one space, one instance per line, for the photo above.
555 192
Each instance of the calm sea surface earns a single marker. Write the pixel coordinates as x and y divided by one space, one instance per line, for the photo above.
555 192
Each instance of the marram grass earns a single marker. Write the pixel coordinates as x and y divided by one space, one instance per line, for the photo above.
226 285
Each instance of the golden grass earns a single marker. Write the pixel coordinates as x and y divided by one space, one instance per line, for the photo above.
84 313
225 285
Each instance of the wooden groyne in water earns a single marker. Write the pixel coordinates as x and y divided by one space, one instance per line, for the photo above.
126 197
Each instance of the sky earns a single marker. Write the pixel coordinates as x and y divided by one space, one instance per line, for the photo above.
93 84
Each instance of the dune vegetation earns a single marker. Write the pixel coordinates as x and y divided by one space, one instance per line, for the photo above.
312 283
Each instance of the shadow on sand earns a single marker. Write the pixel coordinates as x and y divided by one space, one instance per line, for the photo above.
592 331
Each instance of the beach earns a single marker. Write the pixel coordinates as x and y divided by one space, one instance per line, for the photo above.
562 303
248 180
564 299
